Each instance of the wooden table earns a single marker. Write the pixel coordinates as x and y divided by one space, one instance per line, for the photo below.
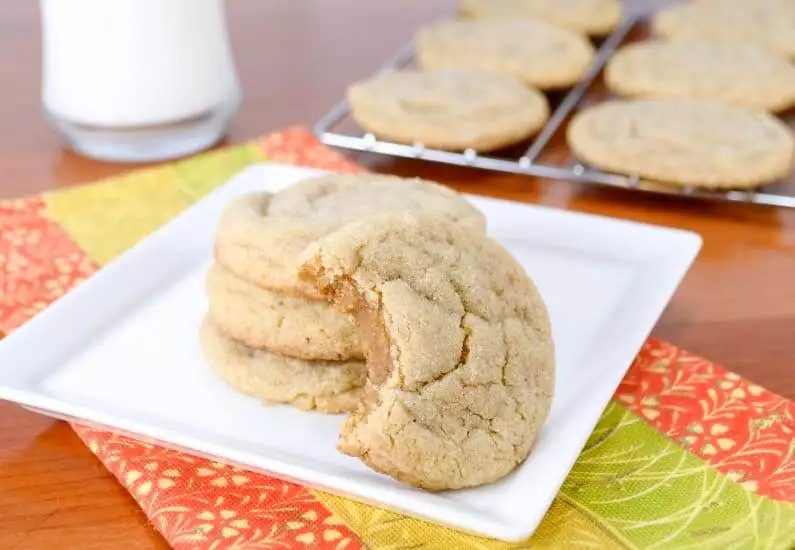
736 306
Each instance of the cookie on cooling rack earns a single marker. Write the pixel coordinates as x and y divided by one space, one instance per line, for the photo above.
745 75
685 142
329 387
539 53
593 17
768 23
448 109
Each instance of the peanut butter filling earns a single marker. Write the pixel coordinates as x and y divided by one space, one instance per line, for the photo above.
372 332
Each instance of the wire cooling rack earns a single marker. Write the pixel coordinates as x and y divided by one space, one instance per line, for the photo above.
528 163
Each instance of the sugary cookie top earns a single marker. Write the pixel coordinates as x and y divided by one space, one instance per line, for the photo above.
260 234
539 53
769 23
595 17
745 75
683 141
448 108
338 199
445 92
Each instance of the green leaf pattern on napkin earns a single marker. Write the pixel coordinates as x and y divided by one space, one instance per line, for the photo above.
630 488
653 494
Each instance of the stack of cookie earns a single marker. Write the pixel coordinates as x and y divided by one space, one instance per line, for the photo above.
697 102
268 333
481 79
460 358
281 348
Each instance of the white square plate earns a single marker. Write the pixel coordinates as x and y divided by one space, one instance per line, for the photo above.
120 350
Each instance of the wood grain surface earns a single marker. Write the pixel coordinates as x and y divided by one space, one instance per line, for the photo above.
736 306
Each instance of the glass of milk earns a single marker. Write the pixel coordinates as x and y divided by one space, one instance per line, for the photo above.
138 80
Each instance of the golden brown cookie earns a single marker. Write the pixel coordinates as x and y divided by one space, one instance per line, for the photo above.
685 142
744 75
594 17
279 323
323 386
459 351
768 23
260 235
449 109
540 54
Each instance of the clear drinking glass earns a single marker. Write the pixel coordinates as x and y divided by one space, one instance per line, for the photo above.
138 80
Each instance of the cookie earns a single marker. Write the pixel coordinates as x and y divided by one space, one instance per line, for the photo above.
279 323
459 351
768 23
317 385
259 235
744 75
540 54
448 109
593 17
687 142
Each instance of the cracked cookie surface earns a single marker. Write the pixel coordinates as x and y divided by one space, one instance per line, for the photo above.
594 17
768 23
260 234
538 53
459 350
279 323
685 142
449 109
744 75
327 387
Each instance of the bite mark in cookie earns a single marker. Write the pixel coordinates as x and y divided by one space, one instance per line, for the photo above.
458 344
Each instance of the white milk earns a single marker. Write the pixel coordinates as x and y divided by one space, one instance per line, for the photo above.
137 80
135 62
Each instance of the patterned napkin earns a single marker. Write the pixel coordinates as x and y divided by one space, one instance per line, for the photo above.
687 454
